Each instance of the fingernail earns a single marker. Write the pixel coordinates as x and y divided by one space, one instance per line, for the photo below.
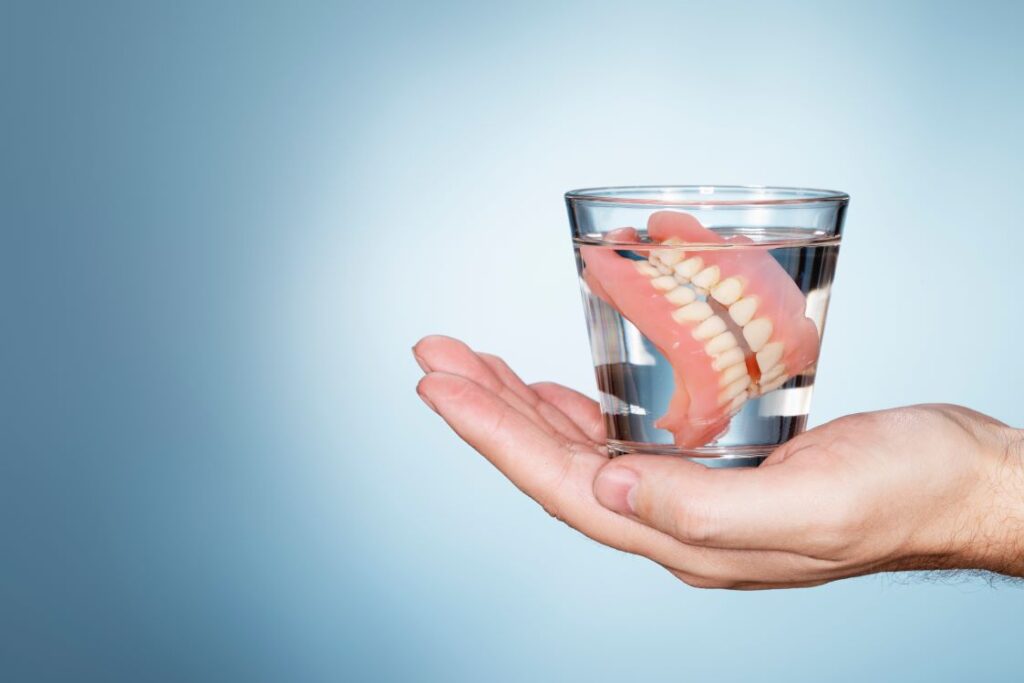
420 362
426 400
615 488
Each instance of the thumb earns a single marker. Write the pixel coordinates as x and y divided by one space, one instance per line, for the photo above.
756 508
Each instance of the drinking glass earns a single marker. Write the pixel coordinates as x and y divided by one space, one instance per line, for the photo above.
705 306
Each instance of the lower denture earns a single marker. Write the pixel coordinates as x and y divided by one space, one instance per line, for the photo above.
690 315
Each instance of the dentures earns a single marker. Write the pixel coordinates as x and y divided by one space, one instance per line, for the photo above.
730 321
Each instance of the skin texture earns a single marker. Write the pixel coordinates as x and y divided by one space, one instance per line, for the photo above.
922 487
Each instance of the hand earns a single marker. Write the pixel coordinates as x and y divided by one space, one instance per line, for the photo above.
924 487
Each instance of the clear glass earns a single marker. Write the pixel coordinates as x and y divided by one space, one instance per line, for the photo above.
705 307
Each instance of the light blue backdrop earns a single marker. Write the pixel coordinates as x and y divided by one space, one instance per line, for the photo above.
225 225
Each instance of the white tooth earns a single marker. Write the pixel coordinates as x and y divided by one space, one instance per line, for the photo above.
722 342
688 268
737 403
734 389
772 374
769 355
743 310
646 268
664 270
772 386
671 257
727 359
712 327
681 295
727 291
664 283
707 278
692 312
757 332
732 373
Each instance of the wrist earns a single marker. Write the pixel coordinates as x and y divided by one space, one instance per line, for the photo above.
998 535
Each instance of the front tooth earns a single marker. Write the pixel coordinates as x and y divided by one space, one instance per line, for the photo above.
664 270
757 332
734 389
772 374
688 268
743 310
681 295
721 343
769 355
646 268
671 257
712 327
727 359
664 283
697 311
727 292
732 373
707 278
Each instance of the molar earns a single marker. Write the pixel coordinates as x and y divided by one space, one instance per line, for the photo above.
681 295
688 268
722 342
743 310
757 333
769 355
712 327
727 359
696 311
707 278
728 291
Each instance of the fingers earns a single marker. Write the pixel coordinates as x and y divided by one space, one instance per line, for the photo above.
561 476
550 471
766 508
444 354
552 414
582 410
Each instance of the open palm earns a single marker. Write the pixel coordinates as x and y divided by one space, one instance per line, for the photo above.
865 493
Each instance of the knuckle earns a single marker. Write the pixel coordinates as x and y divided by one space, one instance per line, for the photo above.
692 522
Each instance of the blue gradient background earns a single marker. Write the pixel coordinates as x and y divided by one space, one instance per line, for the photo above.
224 225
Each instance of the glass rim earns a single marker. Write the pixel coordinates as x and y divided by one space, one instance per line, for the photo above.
704 195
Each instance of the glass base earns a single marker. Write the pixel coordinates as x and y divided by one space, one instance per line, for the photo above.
721 456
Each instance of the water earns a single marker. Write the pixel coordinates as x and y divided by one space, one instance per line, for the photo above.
636 379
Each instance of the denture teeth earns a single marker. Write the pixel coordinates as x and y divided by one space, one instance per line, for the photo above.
743 310
723 342
769 355
664 283
688 268
728 291
772 386
696 311
646 268
671 257
663 269
734 389
712 327
727 359
732 373
681 295
737 403
772 374
757 332
707 278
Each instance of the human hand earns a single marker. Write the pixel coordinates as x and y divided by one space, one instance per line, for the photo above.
923 487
